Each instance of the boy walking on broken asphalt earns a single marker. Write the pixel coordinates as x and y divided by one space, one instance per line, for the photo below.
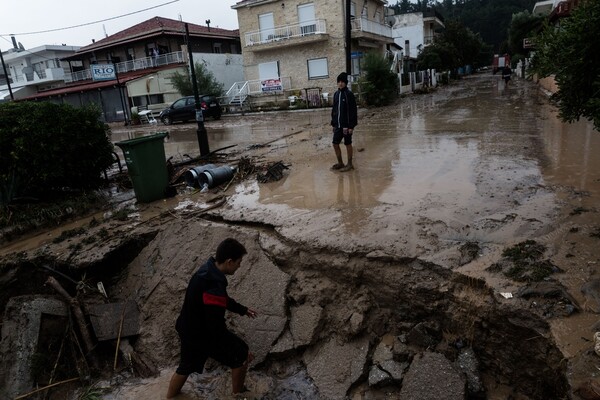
343 119
201 323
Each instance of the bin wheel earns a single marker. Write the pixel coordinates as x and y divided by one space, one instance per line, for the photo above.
166 120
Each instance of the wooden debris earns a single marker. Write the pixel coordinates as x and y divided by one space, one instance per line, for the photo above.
79 318
273 173
23 396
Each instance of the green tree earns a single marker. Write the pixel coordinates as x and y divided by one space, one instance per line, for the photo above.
572 55
523 25
379 86
436 56
456 46
47 147
207 84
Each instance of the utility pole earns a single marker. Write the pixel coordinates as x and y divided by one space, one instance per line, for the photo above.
120 89
348 41
12 97
201 131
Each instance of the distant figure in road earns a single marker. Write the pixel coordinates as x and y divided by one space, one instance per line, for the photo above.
201 323
506 73
343 120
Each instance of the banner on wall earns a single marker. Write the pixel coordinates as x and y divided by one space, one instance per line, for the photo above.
271 85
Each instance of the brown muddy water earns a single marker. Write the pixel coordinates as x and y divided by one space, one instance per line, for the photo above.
339 263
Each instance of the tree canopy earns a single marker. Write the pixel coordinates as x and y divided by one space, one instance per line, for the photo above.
457 46
379 85
207 84
489 18
523 25
571 53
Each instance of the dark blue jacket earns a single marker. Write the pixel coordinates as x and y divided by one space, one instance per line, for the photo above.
202 316
343 112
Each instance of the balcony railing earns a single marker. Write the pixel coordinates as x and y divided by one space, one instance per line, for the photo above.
317 26
365 25
132 65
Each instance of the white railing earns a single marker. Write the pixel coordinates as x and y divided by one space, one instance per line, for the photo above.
365 25
318 26
239 91
132 65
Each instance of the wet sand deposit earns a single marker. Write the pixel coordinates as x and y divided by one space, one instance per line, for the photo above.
458 260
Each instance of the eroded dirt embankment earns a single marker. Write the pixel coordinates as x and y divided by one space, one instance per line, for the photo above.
331 323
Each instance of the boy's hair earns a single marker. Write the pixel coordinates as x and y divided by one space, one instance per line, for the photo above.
230 248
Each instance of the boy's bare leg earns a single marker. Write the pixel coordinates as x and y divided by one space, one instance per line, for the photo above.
175 385
338 155
238 376
348 166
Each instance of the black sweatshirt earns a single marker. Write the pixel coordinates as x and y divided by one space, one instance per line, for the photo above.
202 317
343 112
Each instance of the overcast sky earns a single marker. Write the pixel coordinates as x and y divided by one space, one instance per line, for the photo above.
23 16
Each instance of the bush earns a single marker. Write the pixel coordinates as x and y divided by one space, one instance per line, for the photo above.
46 148
379 86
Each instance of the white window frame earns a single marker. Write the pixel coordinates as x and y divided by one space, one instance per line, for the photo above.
307 25
268 29
320 66
268 70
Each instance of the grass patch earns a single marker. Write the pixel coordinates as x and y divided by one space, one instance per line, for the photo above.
69 233
122 214
579 211
17 219
103 233
524 262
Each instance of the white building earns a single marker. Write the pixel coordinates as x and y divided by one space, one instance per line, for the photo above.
413 31
34 70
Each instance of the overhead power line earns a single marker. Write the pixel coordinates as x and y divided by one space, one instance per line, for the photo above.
88 23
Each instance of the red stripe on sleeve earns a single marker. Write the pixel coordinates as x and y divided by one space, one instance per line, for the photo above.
214 300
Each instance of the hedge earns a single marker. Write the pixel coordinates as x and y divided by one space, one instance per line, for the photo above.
47 148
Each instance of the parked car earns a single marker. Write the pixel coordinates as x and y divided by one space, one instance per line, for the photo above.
184 109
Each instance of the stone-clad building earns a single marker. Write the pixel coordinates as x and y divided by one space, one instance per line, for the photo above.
303 43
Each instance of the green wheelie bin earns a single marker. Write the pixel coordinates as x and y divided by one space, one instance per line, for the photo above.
146 163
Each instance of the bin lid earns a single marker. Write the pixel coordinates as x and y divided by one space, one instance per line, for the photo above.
141 139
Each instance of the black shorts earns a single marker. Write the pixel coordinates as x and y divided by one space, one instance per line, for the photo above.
338 135
231 351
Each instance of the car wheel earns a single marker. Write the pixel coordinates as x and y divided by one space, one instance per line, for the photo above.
166 120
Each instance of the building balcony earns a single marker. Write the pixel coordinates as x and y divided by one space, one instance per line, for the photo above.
288 35
367 29
47 75
132 65
430 39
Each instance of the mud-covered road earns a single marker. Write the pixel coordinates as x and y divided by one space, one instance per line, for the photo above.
390 281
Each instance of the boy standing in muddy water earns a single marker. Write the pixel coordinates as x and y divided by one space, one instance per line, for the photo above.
201 323
343 120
